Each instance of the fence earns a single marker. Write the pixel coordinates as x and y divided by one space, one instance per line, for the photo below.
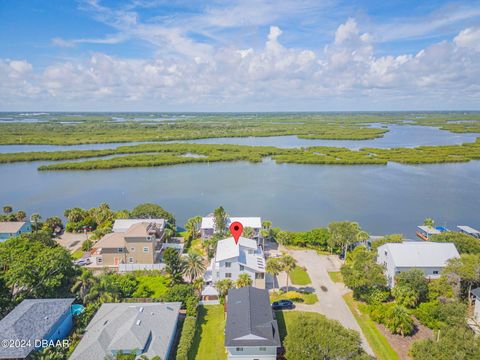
136 267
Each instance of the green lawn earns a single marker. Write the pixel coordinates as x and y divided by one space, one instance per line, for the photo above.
156 283
336 276
299 276
209 340
378 342
77 254
295 296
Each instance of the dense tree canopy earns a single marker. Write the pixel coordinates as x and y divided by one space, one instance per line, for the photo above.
32 269
465 244
317 338
359 263
453 343
151 211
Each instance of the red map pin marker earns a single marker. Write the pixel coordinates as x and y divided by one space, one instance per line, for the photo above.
236 229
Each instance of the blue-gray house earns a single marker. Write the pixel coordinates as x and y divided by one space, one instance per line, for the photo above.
34 320
10 229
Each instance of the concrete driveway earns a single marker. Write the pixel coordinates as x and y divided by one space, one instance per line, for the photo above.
331 303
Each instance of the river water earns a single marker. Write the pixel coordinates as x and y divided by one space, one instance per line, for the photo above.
384 199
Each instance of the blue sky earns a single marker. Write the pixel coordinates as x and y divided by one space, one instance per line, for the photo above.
251 55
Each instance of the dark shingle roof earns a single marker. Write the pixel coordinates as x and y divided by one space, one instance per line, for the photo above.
31 319
250 319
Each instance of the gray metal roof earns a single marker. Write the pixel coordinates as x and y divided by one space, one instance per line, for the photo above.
32 319
250 319
148 327
476 292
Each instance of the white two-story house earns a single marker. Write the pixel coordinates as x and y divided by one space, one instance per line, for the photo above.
233 259
430 257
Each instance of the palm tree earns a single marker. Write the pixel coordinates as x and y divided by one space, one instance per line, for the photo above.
21 215
35 218
223 286
7 209
244 280
248 232
274 267
193 227
83 284
194 266
168 233
198 285
429 222
288 263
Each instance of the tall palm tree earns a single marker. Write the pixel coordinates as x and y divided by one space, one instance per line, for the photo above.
83 284
429 222
193 227
243 280
21 215
35 218
7 209
274 267
195 265
289 264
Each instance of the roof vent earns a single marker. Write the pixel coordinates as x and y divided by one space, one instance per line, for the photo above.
105 323
141 309
138 322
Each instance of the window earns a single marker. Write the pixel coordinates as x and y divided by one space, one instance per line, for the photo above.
259 275
145 249
263 348
218 274
99 260
130 260
242 267
120 250
239 349
228 264
435 272
228 275
132 249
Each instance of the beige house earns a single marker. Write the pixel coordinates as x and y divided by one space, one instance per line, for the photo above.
140 244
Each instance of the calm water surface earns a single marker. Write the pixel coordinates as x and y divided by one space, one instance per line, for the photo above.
384 199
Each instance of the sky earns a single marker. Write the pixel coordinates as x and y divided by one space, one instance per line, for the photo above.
245 55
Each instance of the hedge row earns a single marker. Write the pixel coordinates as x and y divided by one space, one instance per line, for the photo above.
186 339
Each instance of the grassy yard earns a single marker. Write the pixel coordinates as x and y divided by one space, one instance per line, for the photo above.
379 344
157 284
209 340
295 296
287 318
336 276
77 254
299 276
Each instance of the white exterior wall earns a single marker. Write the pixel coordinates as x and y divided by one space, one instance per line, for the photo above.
391 270
219 270
476 312
252 353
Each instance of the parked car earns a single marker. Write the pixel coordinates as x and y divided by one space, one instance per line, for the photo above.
83 262
282 304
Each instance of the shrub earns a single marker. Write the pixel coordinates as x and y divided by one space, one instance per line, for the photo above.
186 339
394 317
378 296
192 305
406 296
180 293
437 315
87 245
